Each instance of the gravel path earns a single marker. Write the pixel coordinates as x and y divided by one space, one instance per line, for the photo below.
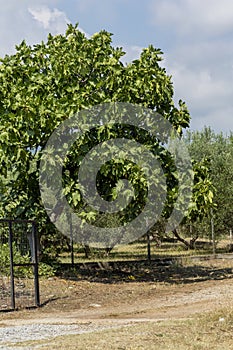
173 302
12 336
35 331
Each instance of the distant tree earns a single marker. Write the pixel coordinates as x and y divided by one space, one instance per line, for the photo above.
218 148
197 220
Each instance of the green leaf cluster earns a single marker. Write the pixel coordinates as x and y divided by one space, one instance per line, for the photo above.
43 85
217 149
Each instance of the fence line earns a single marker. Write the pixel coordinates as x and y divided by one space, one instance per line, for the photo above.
19 262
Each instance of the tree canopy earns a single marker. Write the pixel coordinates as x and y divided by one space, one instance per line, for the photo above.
45 84
218 149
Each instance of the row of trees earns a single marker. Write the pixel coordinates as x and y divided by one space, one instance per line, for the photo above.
43 85
217 148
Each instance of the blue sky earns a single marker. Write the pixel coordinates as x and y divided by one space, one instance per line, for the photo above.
196 37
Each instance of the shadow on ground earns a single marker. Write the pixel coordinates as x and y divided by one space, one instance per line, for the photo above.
168 271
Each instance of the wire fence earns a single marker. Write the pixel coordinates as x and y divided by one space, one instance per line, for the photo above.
19 281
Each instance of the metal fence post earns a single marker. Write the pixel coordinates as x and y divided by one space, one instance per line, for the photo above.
71 242
35 264
148 248
213 232
11 265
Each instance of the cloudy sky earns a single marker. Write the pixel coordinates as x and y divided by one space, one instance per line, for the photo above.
196 37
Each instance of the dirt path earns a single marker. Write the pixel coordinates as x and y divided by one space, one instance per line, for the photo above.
143 303
85 306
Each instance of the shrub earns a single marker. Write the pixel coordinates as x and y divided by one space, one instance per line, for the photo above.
19 258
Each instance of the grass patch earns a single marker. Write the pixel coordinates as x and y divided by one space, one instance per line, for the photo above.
210 331
138 251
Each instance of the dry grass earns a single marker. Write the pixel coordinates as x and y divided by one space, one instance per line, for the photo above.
212 331
138 251
119 296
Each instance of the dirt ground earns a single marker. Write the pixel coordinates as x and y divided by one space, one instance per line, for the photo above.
156 293
149 293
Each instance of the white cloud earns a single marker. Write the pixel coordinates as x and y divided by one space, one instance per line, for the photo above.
188 16
30 21
220 119
200 56
131 53
50 19
208 97
200 86
16 24
202 75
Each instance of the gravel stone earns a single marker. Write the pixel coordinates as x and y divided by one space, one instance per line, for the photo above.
16 334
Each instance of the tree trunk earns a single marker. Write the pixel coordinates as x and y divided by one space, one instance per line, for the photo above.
87 251
107 251
188 244
192 242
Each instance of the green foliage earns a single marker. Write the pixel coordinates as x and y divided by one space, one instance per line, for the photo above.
46 270
44 84
20 271
5 258
218 149
203 191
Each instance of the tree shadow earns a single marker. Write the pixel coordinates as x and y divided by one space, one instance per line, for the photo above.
50 300
164 270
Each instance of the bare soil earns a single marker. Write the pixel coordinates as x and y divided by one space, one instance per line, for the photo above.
148 293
